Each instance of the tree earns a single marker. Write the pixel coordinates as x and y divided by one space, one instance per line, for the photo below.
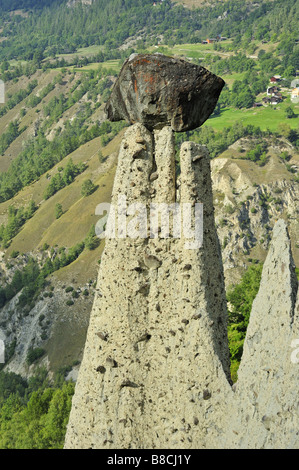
245 99
284 129
290 112
101 157
240 299
91 241
87 188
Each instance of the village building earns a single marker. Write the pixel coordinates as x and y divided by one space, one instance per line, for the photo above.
271 91
295 93
275 79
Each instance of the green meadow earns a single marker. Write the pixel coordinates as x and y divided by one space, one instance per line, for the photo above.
264 117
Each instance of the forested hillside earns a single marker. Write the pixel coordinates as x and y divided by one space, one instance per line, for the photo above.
55 28
59 60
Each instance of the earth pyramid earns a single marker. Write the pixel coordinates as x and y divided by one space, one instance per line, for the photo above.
156 371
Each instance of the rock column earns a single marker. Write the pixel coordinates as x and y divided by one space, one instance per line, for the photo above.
156 363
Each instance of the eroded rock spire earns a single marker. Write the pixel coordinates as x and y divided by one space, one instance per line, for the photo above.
156 357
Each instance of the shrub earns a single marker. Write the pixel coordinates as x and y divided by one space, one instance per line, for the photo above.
229 209
87 188
91 241
58 211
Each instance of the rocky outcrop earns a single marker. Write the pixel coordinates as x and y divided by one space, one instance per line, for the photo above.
155 370
158 91
155 367
265 404
156 358
248 201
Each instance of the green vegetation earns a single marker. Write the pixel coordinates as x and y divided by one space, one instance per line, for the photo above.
87 188
218 142
39 154
31 279
58 211
9 136
258 154
34 354
64 177
110 23
266 118
16 219
240 300
19 96
91 241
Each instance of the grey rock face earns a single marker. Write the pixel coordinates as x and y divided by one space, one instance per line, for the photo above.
265 408
160 316
155 371
158 91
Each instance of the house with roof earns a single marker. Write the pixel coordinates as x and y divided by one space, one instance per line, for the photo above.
275 79
266 100
275 100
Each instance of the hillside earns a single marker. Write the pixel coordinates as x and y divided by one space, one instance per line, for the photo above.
62 115
244 224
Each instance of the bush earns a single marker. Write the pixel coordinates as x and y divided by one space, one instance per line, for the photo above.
69 302
91 241
58 211
229 209
87 188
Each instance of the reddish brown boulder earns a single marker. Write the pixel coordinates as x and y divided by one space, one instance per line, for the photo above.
158 91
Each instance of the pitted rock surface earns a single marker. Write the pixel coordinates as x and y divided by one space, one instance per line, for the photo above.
155 371
159 91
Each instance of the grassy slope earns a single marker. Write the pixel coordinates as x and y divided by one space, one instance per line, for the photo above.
80 212
67 338
43 227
